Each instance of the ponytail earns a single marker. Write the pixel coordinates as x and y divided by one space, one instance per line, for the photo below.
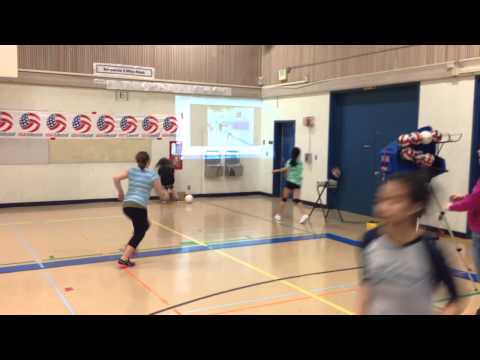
163 163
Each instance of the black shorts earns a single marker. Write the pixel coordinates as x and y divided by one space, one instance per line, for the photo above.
292 186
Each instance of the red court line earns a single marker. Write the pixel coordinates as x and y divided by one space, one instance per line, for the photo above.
151 290
299 298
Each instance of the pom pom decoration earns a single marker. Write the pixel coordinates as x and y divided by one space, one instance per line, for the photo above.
436 136
415 138
407 154
425 160
404 140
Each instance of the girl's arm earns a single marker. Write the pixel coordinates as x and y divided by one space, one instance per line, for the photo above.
468 202
284 169
118 185
364 297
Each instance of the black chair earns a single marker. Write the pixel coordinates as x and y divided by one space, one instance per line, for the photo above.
332 183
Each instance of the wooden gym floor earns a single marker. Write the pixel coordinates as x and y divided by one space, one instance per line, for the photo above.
215 256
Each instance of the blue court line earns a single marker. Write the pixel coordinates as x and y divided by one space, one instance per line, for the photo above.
161 252
458 273
188 249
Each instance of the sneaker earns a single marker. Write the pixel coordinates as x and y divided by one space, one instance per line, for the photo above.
125 263
278 217
304 219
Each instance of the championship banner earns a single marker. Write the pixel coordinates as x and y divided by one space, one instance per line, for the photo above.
52 125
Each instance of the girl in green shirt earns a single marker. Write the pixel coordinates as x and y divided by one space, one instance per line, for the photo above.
294 170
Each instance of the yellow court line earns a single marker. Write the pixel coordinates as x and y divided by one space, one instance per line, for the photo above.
64 220
17 223
263 272
84 218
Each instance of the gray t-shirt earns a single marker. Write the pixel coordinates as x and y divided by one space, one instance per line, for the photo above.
402 278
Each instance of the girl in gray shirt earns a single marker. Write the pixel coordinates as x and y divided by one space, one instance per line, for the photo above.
402 266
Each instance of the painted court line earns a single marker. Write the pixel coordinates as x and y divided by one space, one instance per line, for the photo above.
148 251
194 248
83 219
150 289
63 220
257 217
24 242
17 223
333 290
457 273
284 301
266 298
263 272
153 253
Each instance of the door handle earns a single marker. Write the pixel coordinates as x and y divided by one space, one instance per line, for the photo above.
366 146
376 173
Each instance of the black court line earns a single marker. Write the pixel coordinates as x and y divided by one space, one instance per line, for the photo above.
261 218
249 286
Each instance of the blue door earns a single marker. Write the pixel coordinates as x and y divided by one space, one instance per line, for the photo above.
284 142
361 124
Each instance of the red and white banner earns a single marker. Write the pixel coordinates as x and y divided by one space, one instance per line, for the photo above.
41 124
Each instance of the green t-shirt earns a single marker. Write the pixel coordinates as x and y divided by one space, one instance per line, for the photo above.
295 173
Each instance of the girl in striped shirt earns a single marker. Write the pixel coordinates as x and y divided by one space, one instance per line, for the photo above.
141 180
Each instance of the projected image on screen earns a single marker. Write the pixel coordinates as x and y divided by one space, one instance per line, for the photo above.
219 124
232 126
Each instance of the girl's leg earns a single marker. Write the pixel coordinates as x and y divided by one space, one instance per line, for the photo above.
165 195
283 203
140 223
174 194
298 203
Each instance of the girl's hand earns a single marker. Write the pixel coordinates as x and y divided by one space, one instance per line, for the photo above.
121 196
455 197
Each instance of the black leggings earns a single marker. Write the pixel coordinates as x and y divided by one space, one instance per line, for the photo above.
140 223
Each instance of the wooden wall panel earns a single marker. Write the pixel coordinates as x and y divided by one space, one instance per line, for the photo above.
321 62
223 64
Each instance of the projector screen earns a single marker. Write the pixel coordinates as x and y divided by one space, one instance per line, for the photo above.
218 124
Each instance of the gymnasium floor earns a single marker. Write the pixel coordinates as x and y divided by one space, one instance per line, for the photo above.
226 251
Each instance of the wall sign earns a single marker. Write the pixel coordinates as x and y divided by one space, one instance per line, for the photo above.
124 71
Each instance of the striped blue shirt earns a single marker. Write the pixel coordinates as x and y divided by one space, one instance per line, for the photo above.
140 184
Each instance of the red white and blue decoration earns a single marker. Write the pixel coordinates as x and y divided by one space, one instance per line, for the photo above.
419 149
128 124
57 123
6 122
81 125
150 124
170 124
30 122
106 124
